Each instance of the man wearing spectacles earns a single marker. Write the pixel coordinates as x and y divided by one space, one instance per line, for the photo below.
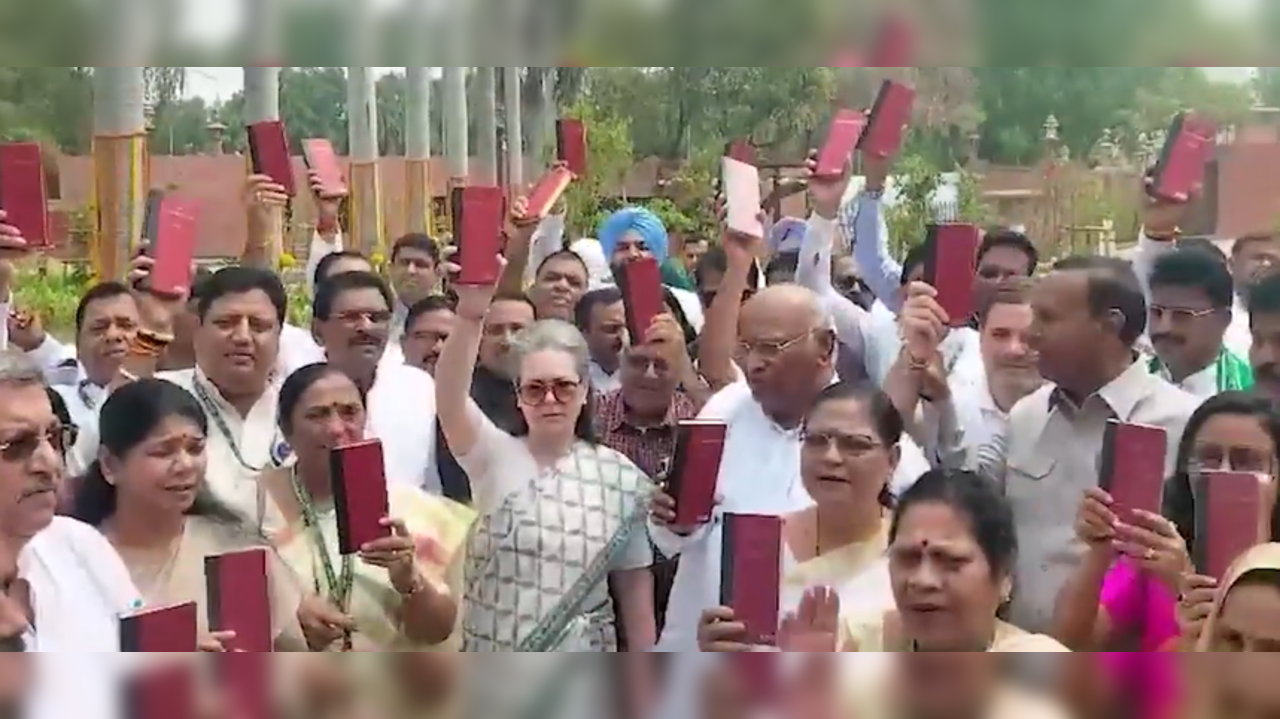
62 585
1187 318
352 322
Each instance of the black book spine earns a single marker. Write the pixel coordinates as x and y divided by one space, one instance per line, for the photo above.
213 581
337 473
874 116
727 561
1107 462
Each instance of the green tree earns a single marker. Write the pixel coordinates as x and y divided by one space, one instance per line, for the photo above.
313 103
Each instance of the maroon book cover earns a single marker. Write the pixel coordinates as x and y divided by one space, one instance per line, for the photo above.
172 630
642 295
322 160
360 494
760 674
162 690
245 679
1228 520
695 470
750 574
950 266
741 150
1132 469
571 145
893 44
23 195
478 220
887 124
239 597
170 226
548 190
1188 147
269 152
846 131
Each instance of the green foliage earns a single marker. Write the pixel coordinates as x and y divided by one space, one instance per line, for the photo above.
51 291
915 180
588 198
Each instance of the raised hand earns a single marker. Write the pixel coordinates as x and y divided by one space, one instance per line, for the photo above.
826 193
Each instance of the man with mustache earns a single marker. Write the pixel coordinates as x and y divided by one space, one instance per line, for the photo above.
426 328
636 233
602 318
1187 318
558 285
1264 323
63 588
352 319
415 274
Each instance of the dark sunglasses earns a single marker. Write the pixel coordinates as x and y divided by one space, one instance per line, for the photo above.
24 445
535 393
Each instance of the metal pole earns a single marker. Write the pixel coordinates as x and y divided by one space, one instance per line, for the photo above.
261 94
362 136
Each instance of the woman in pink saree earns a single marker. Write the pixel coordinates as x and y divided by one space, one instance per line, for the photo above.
1125 593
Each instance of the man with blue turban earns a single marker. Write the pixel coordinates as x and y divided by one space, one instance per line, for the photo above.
635 233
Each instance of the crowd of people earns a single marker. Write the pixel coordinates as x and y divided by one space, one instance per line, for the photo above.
938 481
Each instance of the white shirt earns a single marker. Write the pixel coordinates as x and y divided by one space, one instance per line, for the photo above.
238 448
759 474
602 382
977 417
402 414
79 589
1202 385
298 348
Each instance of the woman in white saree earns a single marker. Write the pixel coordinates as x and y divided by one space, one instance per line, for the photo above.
561 518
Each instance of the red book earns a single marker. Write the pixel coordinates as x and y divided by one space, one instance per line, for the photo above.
1188 147
23 195
742 151
1133 466
842 139
163 690
951 267
695 470
360 494
269 152
893 44
239 597
642 295
245 679
750 574
548 191
478 219
170 227
1229 520
887 124
322 160
571 145
167 630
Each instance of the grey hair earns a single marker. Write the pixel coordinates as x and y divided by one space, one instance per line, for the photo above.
18 369
549 335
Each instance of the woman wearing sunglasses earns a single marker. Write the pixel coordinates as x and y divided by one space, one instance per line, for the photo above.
561 517
147 495
399 593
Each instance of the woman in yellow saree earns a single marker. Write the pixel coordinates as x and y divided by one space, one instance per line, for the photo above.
401 595
1243 619
952 547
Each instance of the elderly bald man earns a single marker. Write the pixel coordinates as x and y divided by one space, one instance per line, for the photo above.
787 353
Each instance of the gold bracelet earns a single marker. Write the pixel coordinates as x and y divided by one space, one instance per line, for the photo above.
150 344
